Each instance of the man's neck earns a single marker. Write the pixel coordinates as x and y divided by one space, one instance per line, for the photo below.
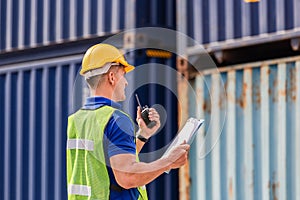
103 92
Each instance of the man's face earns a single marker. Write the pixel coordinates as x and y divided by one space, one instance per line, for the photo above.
121 83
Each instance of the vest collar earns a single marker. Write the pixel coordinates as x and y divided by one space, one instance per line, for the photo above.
95 102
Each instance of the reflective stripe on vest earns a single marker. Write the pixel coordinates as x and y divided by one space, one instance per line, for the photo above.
80 144
82 190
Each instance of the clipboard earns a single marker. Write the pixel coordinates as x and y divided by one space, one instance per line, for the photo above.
187 133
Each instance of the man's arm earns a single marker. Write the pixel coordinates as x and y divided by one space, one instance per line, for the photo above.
131 174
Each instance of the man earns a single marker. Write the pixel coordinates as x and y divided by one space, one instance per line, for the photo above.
102 144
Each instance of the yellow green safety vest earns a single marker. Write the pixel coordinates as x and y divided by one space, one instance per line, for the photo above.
87 175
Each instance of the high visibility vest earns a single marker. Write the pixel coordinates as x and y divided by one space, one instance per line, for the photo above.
87 174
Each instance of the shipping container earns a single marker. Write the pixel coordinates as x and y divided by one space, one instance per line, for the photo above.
33 23
239 31
210 21
249 147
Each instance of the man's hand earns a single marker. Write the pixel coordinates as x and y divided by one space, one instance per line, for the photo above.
144 130
178 156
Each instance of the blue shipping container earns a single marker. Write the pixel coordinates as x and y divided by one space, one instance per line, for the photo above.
210 21
33 23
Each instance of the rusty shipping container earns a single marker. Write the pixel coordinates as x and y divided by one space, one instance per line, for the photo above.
250 145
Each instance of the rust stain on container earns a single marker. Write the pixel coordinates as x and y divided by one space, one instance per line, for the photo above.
274 186
231 81
282 92
183 100
182 86
269 91
184 183
204 106
223 96
275 91
207 106
256 96
292 90
242 100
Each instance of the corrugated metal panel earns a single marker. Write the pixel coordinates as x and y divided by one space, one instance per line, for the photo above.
155 13
35 100
257 154
31 23
210 21
34 108
154 82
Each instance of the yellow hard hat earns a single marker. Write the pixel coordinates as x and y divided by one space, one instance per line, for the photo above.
100 54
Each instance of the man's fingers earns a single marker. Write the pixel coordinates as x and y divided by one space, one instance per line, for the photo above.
138 111
153 115
184 142
138 114
141 123
153 112
185 146
154 119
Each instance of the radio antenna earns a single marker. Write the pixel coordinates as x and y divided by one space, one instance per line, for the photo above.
137 99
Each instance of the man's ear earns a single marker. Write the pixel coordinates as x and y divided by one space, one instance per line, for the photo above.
111 78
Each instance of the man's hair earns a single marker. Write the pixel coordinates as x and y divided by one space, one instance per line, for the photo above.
94 81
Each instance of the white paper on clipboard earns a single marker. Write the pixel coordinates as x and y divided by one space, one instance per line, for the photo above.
187 133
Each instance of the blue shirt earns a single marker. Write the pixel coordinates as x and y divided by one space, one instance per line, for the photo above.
118 139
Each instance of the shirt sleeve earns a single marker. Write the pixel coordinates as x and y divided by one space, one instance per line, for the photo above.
120 135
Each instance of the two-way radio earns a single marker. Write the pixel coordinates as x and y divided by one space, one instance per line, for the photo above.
145 113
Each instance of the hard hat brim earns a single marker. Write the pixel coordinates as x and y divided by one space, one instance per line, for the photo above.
128 68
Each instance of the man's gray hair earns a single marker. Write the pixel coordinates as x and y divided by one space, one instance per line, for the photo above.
94 81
